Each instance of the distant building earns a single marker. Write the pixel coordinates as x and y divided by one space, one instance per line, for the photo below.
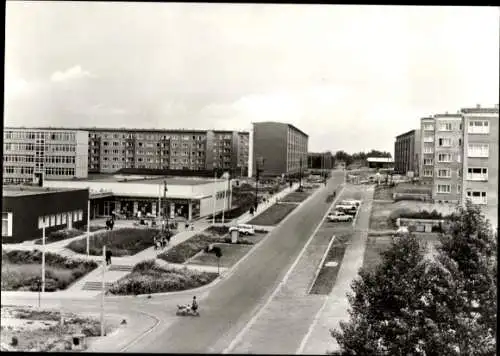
26 209
53 153
279 149
380 162
407 153
323 160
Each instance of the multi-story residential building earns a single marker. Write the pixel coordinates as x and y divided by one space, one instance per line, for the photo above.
322 160
109 150
448 148
480 159
279 149
53 153
407 153
427 133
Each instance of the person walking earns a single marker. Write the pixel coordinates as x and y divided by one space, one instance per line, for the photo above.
108 257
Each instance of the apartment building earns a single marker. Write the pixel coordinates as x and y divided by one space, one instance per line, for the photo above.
53 153
407 153
480 161
195 150
448 147
426 164
281 148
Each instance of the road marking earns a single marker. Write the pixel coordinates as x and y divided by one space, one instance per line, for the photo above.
320 311
139 337
252 321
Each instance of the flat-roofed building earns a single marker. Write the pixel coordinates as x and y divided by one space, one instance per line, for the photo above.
279 149
54 153
407 153
25 210
480 159
189 198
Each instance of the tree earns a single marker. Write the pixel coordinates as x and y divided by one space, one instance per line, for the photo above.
414 305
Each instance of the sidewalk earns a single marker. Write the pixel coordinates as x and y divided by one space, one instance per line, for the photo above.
335 309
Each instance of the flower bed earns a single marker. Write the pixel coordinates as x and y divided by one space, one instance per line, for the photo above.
147 277
273 215
231 253
21 270
121 242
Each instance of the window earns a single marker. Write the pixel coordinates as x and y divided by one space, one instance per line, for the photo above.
75 216
428 150
444 142
428 138
6 224
52 220
478 174
58 219
478 150
460 142
80 215
444 173
63 220
479 127
428 173
444 188
477 197
445 127
459 158
444 157
459 187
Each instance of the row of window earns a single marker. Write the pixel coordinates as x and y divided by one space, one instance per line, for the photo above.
220 195
474 150
60 171
479 127
32 135
59 219
6 224
34 147
18 170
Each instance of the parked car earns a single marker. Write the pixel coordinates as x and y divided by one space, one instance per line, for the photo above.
348 209
357 203
243 229
339 216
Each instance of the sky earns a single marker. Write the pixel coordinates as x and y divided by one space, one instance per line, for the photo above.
352 77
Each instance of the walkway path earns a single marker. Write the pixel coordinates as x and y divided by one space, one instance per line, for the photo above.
335 309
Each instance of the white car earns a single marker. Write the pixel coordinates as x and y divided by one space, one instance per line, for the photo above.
339 216
357 203
243 229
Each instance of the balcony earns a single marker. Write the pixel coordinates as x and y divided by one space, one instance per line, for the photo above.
478 177
429 139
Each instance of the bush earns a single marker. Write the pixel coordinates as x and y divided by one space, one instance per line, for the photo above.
151 278
121 242
21 270
14 341
218 230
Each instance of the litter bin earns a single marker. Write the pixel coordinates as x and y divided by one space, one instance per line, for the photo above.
234 236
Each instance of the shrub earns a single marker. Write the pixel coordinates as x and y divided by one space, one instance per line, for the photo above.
155 279
185 250
59 235
14 341
218 230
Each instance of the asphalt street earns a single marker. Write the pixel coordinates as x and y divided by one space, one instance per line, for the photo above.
227 307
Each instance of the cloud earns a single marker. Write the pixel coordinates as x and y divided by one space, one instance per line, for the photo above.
72 73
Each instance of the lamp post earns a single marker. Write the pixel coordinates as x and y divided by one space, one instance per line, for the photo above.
215 197
165 203
257 174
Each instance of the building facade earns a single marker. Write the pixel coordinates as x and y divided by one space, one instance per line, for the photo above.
279 149
26 209
112 150
480 159
323 160
407 153
186 198
55 153
460 157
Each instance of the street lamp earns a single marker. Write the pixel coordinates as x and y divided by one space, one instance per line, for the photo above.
165 215
257 173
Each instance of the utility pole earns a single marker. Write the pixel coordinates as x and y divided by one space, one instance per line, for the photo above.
165 201
43 257
88 228
103 288
300 172
215 197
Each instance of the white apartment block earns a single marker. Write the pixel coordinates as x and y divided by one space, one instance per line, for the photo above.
55 153
460 158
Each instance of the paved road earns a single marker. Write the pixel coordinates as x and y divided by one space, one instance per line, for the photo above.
230 305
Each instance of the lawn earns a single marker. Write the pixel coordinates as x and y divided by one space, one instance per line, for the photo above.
383 192
147 277
379 217
231 253
185 250
297 197
273 215
121 242
21 270
327 276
